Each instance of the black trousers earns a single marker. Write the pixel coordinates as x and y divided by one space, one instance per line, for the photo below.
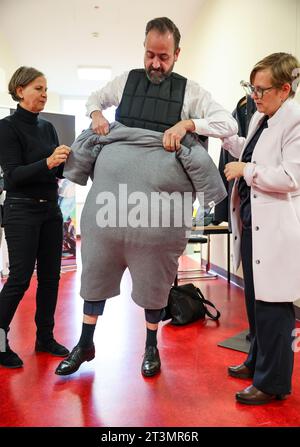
246 250
271 356
33 231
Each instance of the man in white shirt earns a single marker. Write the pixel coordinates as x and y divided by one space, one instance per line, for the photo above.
199 112
157 99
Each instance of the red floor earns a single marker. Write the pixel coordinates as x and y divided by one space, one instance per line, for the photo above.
192 390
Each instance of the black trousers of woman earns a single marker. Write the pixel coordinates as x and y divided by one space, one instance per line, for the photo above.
33 232
271 357
246 249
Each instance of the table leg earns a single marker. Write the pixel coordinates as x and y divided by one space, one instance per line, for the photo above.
208 274
208 254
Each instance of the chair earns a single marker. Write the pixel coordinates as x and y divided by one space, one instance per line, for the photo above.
196 237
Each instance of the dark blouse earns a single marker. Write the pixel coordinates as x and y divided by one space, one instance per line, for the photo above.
243 188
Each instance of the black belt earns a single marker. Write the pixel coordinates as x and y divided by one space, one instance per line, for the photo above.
30 199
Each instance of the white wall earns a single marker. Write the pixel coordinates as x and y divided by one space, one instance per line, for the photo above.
230 36
8 65
227 39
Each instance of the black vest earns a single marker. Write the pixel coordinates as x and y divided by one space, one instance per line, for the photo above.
150 106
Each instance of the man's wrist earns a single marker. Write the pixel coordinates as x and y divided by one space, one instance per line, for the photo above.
189 125
95 113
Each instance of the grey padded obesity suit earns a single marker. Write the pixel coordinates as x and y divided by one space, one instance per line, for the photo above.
136 158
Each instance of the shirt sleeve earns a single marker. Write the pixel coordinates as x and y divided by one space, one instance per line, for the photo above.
234 145
109 95
209 117
11 158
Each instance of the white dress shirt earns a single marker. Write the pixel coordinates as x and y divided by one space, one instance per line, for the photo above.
209 117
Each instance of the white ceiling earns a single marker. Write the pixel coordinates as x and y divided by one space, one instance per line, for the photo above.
55 36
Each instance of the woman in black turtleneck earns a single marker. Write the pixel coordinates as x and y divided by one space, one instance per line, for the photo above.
32 159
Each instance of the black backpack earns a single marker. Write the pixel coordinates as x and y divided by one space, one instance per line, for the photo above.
186 304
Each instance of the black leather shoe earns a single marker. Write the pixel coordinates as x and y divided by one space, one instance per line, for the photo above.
253 396
52 347
240 371
9 359
74 360
151 362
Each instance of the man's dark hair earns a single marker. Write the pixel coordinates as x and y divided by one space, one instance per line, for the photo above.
163 25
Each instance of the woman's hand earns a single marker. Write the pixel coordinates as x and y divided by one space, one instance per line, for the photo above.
233 170
58 157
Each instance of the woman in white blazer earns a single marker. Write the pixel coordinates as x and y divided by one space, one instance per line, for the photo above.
265 212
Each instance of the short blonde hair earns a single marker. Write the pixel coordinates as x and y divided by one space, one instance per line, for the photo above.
22 77
284 67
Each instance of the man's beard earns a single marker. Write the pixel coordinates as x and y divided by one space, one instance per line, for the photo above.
158 76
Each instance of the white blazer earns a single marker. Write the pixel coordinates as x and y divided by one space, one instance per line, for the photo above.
274 178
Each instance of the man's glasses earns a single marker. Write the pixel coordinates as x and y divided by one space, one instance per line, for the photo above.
257 91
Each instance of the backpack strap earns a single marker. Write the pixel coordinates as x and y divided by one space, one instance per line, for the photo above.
209 303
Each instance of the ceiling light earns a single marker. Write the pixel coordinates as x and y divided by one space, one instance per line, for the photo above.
94 73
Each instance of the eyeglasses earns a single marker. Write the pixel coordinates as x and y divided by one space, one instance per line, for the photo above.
257 91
